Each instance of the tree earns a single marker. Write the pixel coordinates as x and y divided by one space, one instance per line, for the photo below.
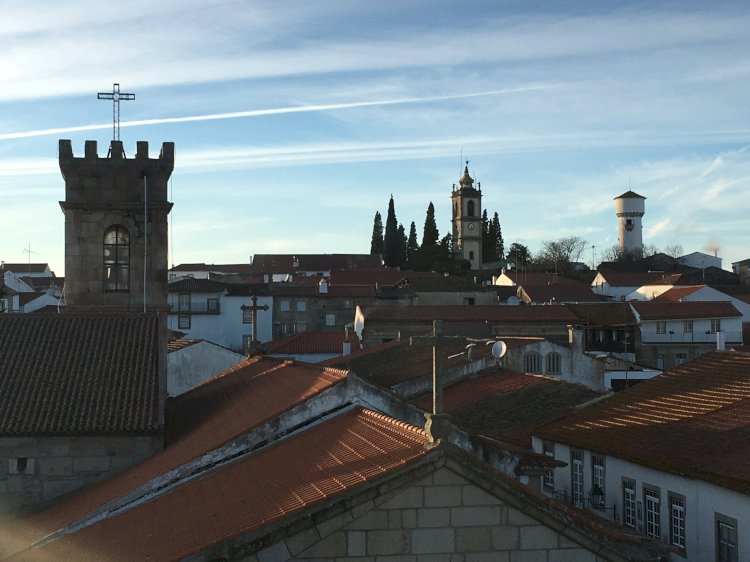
518 255
411 245
487 245
391 241
376 245
430 235
402 246
562 253
498 238
673 250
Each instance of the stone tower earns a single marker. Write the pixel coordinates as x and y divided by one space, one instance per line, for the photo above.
467 220
116 227
630 208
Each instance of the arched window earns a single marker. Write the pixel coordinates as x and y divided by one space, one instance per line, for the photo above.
532 362
116 259
470 209
553 361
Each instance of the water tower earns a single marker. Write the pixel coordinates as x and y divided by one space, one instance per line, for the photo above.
630 207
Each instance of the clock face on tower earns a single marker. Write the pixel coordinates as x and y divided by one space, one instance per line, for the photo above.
470 226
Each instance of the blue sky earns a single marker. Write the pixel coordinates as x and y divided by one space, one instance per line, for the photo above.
295 121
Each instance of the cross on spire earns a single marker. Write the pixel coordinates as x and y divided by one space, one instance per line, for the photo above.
116 96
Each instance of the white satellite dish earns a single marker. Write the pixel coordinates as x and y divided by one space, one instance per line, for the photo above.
498 349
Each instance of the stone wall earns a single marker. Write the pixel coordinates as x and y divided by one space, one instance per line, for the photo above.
36 470
441 517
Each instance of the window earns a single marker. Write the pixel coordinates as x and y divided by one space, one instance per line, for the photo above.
183 302
21 465
183 322
553 361
172 276
284 306
247 316
116 259
3 305
576 477
548 449
286 329
628 503
470 208
597 476
532 362
661 327
687 326
715 325
301 306
680 358
471 255
330 319
660 361
247 339
212 304
677 520
726 538
653 512
469 301
300 327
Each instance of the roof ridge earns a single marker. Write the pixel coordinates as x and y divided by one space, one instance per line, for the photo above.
391 421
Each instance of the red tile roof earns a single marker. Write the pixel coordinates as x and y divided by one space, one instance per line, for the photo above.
311 342
604 314
465 313
353 291
328 460
536 279
562 293
690 421
676 294
220 410
196 285
181 343
384 276
81 374
639 278
21 268
652 310
216 268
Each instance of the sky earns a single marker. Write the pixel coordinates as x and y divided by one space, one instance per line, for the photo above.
294 122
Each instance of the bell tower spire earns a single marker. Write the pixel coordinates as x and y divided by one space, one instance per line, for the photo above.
466 201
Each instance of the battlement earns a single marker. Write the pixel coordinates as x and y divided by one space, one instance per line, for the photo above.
116 152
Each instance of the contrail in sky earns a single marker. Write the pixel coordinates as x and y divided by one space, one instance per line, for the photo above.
262 112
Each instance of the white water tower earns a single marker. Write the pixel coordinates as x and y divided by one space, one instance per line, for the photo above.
630 208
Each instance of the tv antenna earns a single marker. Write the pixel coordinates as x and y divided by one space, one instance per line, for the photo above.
116 96
28 251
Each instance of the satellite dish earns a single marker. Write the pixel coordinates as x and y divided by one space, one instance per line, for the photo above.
498 349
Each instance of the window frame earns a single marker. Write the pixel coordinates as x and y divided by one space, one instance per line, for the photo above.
301 305
552 360
247 316
183 322
576 477
537 361
330 319
730 523
687 327
548 479
677 521
183 302
715 325
629 507
284 305
661 327
599 477
652 511
116 268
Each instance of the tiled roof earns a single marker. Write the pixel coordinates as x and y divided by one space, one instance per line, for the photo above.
526 278
212 414
561 293
21 268
652 310
178 344
353 291
639 278
216 268
465 313
380 276
444 284
676 294
247 289
507 405
325 461
283 263
81 374
604 314
196 285
691 420
311 342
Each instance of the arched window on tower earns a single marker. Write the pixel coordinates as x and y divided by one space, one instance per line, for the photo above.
470 208
116 259
532 362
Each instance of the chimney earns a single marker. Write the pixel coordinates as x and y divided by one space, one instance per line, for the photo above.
720 341
575 338
347 348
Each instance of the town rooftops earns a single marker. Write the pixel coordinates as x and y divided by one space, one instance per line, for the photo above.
376 276
480 313
691 421
311 343
289 263
604 314
79 374
561 293
196 285
537 279
21 268
652 310
214 268
637 278
676 294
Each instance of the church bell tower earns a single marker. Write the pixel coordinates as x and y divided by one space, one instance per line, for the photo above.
116 227
467 220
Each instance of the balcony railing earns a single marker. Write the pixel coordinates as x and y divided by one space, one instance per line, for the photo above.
197 308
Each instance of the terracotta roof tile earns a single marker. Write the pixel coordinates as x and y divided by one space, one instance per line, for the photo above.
285 263
311 342
196 285
681 421
537 279
604 314
205 418
75 373
562 293
215 268
324 461
676 294
20 268
371 277
639 278
653 310
181 343
459 313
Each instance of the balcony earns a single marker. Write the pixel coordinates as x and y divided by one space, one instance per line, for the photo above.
197 308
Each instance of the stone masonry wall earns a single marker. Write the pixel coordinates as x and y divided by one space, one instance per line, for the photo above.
35 470
442 517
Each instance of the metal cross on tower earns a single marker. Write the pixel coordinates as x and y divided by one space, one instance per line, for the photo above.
254 346
116 96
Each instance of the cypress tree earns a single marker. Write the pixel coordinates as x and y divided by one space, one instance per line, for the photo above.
499 244
402 251
391 242
487 243
430 235
376 245
411 245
